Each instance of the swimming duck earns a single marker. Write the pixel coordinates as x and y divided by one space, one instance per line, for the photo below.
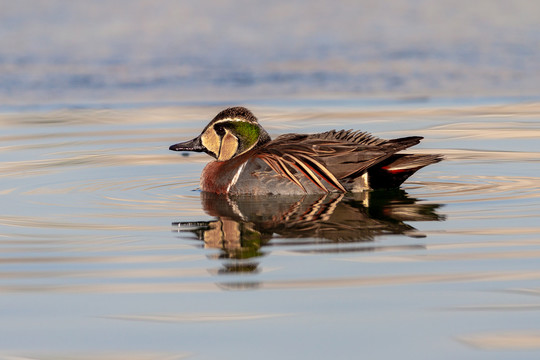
248 161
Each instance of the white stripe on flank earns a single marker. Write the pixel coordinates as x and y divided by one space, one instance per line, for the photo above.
236 176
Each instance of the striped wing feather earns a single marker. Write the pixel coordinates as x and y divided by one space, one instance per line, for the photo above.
330 156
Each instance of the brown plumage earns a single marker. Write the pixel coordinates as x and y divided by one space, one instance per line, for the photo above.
341 161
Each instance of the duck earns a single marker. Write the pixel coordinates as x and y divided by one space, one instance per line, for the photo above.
248 162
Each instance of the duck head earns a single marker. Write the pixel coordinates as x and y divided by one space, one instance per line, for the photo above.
232 132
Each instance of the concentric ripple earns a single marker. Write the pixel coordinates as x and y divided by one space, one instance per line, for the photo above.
98 208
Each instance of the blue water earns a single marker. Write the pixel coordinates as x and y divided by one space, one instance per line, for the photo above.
98 52
109 251
95 263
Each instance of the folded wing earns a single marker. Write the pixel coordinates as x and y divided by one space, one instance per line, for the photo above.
336 158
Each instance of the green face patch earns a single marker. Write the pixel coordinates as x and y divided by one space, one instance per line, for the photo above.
247 134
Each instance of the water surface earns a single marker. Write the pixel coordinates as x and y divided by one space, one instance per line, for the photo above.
110 251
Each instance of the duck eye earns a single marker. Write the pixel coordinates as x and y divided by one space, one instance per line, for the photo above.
219 130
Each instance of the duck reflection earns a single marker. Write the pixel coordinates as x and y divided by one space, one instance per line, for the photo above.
245 225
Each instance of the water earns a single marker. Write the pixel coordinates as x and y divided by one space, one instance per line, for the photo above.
109 251
98 53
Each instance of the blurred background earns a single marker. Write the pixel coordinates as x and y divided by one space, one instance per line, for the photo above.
133 51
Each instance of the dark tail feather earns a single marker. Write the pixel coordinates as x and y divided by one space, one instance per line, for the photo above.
405 142
393 171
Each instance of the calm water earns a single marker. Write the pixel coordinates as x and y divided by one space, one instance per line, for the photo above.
127 51
109 251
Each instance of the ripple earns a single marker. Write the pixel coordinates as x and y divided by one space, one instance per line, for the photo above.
89 197
197 317
36 167
475 188
92 355
511 340
487 155
41 222
368 281
524 254
171 287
